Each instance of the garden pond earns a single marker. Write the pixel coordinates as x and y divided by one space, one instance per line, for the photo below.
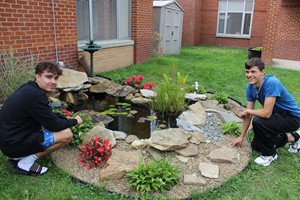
133 119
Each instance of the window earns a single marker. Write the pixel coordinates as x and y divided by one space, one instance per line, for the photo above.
235 17
110 19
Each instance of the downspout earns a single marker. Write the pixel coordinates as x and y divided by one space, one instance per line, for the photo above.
91 19
54 30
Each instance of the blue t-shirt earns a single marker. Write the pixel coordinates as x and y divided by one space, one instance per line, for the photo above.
272 87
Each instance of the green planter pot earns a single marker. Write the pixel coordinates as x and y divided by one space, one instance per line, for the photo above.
253 53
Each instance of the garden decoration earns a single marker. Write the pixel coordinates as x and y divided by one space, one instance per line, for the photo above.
91 48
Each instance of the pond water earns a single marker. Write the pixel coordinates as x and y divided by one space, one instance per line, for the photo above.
138 124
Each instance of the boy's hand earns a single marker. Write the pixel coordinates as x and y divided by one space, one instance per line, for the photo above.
78 118
237 142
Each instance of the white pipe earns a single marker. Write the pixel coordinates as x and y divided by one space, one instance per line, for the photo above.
54 30
91 19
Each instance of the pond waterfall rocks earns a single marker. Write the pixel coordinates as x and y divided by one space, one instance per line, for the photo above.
196 145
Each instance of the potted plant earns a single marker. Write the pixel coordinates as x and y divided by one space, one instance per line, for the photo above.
254 52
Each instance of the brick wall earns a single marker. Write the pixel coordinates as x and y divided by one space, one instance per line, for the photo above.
271 22
191 22
287 44
110 58
275 27
141 29
27 28
204 31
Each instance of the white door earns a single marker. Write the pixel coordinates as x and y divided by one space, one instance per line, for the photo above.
172 33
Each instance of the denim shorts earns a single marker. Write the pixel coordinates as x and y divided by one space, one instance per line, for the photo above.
48 139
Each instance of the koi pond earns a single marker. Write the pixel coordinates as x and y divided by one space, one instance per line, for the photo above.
133 119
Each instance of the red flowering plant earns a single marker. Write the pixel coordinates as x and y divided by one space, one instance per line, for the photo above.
67 112
137 82
148 85
95 153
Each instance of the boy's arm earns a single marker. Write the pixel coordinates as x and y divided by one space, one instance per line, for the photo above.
246 123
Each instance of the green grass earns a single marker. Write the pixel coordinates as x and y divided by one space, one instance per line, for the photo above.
219 69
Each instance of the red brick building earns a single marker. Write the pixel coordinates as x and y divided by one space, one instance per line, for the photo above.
54 30
272 24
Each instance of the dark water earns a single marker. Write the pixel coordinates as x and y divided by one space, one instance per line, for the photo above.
130 125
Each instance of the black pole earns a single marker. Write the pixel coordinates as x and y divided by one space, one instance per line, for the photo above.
91 64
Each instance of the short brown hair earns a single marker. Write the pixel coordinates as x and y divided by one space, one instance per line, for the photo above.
49 67
255 61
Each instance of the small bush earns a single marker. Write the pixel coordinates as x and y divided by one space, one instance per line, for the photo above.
232 128
158 175
221 97
14 71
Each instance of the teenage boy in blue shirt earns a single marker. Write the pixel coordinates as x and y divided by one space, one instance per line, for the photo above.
278 116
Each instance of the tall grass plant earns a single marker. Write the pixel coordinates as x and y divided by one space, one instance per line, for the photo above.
170 98
14 71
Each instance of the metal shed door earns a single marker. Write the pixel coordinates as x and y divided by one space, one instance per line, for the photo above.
172 31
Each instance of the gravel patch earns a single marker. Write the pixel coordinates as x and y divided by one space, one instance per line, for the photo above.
66 158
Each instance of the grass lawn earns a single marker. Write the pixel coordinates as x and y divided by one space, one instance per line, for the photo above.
218 69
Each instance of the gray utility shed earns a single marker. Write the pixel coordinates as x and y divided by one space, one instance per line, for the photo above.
167 27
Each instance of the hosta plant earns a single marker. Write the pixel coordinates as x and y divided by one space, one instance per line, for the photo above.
157 175
221 97
231 128
95 153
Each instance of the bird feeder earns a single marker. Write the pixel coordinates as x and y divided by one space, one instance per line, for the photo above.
91 48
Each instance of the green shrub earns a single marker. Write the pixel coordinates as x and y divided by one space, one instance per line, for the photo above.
221 97
158 175
232 128
170 98
80 130
14 71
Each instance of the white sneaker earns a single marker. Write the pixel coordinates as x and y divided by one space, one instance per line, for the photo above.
265 160
295 146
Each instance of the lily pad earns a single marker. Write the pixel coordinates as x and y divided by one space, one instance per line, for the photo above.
133 112
151 118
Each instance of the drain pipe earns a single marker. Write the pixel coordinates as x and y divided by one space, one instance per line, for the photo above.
54 30
91 19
